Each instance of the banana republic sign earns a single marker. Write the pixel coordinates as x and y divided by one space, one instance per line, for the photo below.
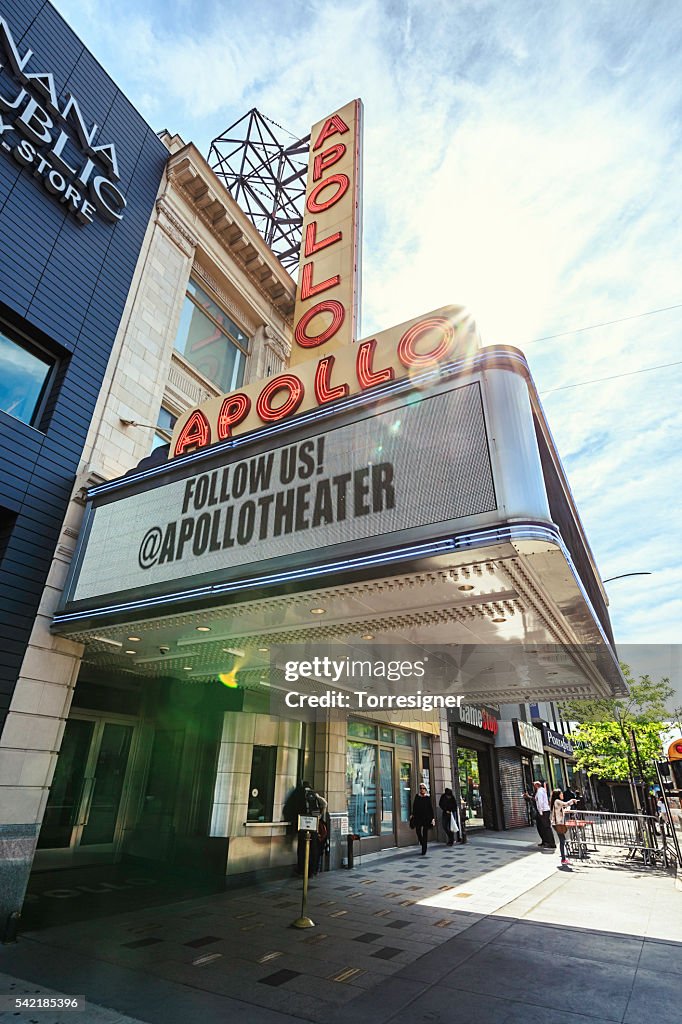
52 138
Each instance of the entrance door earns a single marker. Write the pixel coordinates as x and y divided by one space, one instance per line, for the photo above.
408 790
83 816
386 812
470 787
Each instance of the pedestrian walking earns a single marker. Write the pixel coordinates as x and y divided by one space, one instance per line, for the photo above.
448 805
558 808
543 814
423 816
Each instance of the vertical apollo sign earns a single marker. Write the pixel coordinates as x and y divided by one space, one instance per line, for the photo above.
328 293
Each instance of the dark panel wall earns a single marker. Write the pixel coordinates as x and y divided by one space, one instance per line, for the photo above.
64 286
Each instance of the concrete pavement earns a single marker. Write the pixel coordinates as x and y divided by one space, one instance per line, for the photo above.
470 933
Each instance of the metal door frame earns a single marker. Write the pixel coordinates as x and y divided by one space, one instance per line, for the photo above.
74 853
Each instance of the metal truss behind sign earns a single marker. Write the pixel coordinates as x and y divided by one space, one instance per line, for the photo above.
266 175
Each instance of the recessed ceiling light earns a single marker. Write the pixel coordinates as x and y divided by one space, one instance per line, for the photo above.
187 668
263 649
317 611
499 618
367 636
131 652
465 586
134 639
203 629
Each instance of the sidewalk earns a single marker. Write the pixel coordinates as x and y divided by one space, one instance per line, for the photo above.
463 934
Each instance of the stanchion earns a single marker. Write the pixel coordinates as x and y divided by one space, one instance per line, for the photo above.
304 921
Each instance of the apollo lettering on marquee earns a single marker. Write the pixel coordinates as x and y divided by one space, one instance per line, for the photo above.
441 337
327 297
51 136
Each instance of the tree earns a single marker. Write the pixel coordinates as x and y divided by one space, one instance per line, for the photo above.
604 751
646 703
605 727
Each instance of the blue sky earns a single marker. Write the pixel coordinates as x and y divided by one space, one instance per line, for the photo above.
523 158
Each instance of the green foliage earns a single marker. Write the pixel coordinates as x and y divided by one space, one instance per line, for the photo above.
607 752
605 725
646 703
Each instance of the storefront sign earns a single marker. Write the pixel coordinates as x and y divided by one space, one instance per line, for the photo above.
50 135
371 478
556 742
480 718
427 341
329 268
527 736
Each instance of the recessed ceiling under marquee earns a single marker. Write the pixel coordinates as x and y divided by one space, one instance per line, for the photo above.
511 641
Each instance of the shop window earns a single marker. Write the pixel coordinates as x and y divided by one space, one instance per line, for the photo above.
262 784
364 730
211 341
361 788
24 375
405 739
164 428
385 735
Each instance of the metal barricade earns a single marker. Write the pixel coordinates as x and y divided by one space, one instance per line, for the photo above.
586 831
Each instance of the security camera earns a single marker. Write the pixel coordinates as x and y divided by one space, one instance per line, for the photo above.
163 649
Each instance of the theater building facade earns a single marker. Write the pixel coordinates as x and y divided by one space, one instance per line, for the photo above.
251 488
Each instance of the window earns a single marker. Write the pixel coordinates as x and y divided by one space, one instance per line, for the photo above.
211 341
262 784
24 372
362 729
164 428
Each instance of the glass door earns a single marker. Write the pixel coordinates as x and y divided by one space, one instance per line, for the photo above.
66 792
408 791
84 812
387 825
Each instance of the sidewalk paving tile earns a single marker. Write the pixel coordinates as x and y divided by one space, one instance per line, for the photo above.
654 994
501 970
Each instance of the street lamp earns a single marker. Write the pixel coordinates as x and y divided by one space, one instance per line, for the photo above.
623 576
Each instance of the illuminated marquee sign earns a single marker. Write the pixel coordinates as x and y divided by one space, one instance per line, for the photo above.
327 296
359 485
51 136
437 338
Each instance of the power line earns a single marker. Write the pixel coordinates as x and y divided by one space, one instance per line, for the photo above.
607 323
615 376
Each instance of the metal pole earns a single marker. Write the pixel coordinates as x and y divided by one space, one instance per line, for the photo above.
304 921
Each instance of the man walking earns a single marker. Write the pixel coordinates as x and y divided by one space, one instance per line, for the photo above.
543 812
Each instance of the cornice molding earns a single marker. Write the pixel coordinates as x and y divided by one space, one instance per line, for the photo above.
171 225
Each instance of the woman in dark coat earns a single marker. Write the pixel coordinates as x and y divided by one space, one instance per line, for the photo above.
448 805
423 816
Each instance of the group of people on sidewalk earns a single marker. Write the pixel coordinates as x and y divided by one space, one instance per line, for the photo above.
549 812
423 816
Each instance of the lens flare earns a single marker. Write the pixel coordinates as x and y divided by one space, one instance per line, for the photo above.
229 679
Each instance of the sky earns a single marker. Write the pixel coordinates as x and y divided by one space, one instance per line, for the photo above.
520 157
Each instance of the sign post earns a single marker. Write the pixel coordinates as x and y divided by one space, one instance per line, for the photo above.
307 823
